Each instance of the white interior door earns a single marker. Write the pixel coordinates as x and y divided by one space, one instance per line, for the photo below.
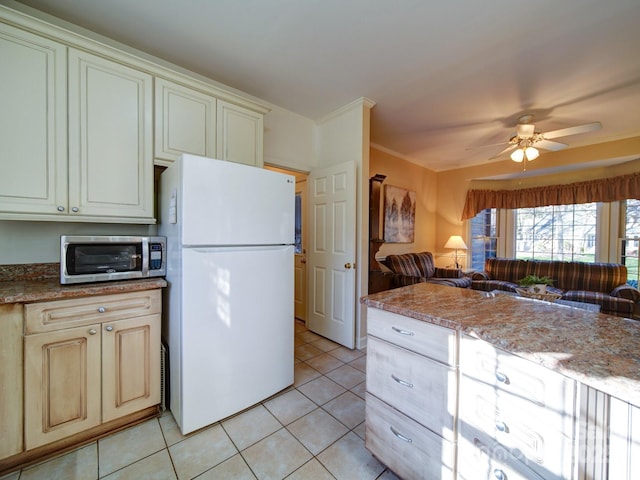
332 253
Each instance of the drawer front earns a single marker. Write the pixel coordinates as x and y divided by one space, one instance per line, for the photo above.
482 461
407 448
59 314
542 437
433 341
421 388
521 378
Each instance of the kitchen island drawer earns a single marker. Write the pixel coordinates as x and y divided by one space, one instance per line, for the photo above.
406 447
521 378
435 342
58 314
421 388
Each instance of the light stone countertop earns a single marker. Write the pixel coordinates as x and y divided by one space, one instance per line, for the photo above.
602 351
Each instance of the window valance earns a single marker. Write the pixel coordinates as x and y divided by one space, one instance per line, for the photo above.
602 190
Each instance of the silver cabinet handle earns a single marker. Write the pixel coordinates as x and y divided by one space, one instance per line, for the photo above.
400 436
402 332
502 378
108 328
402 382
499 474
60 208
75 209
101 309
502 427
92 331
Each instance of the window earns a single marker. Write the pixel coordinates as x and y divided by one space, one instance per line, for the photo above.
557 232
630 240
484 237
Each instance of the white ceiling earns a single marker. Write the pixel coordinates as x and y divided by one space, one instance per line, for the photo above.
447 76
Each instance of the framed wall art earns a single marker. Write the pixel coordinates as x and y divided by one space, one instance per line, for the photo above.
399 214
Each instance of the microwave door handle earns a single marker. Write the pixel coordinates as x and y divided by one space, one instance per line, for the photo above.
145 257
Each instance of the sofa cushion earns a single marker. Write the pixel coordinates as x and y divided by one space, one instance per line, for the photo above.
402 265
608 304
425 263
460 282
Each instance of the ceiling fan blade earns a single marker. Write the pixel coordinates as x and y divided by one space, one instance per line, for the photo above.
508 149
549 145
563 132
525 130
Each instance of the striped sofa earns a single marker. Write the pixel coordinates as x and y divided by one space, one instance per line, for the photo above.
410 268
600 283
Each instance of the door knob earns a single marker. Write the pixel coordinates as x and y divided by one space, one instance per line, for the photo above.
303 260
347 266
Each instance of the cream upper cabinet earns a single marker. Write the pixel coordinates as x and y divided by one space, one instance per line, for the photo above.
185 122
33 124
240 134
110 139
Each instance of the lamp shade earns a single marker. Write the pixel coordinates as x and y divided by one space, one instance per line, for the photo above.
455 241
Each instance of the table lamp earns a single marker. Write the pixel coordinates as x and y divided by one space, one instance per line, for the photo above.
456 242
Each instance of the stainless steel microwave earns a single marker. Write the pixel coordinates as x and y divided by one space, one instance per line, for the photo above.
107 258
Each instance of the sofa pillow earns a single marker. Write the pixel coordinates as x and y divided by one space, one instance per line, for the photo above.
403 265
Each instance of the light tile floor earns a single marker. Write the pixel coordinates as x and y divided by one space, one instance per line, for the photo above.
313 430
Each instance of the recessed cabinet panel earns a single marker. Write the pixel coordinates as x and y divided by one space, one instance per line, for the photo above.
130 366
240 134
110 132
185 122
33 123
62 384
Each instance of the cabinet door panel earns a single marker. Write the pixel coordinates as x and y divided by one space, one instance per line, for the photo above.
62 384
125 344
185 122
240 135
33 120
110 132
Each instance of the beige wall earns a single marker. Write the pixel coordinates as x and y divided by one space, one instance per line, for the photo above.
441 195
404 174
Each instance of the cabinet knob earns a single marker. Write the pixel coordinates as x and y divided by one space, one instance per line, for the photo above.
108 328
502 427
502 378
60 208
101 309
499 474
75 209
93 331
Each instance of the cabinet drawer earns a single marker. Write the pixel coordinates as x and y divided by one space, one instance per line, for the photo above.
521 378
425 338
541 437
481 461
407 448
58 314
422 388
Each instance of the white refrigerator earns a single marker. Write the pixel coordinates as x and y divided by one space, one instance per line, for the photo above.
229 317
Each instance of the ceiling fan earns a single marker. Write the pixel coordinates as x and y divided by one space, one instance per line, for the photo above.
526 142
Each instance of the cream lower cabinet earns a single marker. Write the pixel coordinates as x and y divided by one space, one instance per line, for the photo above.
11 366
89 361
411 399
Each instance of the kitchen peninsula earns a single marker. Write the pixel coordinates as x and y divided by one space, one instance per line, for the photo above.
462 381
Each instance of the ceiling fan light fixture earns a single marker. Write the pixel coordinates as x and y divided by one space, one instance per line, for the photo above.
517 155
532 153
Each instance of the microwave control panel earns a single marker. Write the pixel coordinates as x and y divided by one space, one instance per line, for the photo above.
155 256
